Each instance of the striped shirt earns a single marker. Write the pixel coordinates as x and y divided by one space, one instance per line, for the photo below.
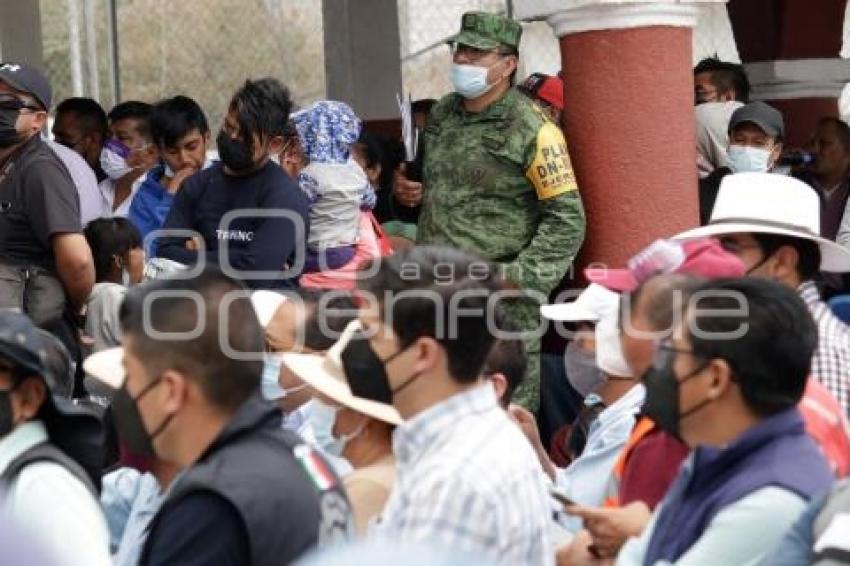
467 480
831 362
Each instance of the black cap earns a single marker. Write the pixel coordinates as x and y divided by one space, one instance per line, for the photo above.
39 353
27 79
765 116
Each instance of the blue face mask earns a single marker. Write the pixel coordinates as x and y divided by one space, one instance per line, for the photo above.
746 159
470 81
322 419
270 383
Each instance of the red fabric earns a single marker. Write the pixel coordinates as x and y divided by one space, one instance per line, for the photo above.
552 91
373 243
651 467
130 460
701 258
827 425
558 447
385 246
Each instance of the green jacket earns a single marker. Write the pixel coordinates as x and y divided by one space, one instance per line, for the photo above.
500 184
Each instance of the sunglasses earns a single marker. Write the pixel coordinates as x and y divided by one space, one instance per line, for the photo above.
12 102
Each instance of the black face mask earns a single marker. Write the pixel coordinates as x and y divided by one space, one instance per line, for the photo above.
662 398
7 421
9 136
234 153
129 424
366 372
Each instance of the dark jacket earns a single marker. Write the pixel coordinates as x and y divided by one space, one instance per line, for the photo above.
708 189
267 231
280 487
776 452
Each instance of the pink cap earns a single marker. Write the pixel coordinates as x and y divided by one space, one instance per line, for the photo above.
699 258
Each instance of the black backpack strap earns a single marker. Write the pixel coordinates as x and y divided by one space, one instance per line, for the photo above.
46 452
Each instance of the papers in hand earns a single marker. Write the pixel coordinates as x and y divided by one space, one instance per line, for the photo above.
409 133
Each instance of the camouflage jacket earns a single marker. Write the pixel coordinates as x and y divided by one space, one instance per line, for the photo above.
500 184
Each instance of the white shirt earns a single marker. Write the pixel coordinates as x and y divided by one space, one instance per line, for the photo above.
102 308
297 420
467 480
52 504
91 199
107 189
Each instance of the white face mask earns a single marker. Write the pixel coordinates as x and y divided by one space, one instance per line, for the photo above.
582 372
113 159
470 81
746 159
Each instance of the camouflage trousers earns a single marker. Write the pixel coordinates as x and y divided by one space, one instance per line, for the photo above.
526 316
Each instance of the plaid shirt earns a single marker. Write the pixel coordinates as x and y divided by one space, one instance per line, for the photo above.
831 362
468 481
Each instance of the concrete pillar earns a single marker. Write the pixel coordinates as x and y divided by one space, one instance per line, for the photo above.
791 50
20 32
630 119
363 55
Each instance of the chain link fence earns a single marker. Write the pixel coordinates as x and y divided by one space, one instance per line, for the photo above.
207 48
424 26
202 48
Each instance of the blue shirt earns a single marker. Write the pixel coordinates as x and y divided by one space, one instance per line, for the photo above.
586 479
151 203
130 500
268 234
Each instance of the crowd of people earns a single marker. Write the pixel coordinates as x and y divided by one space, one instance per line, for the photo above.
293 343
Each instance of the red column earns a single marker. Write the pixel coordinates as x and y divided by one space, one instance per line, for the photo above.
629 117
791 49
631 135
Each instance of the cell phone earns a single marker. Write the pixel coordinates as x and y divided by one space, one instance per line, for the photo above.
560 497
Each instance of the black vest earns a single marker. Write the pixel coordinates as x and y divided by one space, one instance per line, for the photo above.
46 452
273 479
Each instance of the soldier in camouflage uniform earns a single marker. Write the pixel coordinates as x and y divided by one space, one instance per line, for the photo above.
497 177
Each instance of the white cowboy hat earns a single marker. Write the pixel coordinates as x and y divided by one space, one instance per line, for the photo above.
593 303
324 373
266 304
766 203
106 367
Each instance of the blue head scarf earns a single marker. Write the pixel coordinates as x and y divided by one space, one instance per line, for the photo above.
327 129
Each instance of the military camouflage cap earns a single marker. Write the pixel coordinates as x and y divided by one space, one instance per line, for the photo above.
487 31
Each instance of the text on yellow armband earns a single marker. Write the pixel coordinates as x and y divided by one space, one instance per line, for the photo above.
551 172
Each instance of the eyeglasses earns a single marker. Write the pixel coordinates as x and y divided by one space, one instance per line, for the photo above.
664 351
12 102
734 247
